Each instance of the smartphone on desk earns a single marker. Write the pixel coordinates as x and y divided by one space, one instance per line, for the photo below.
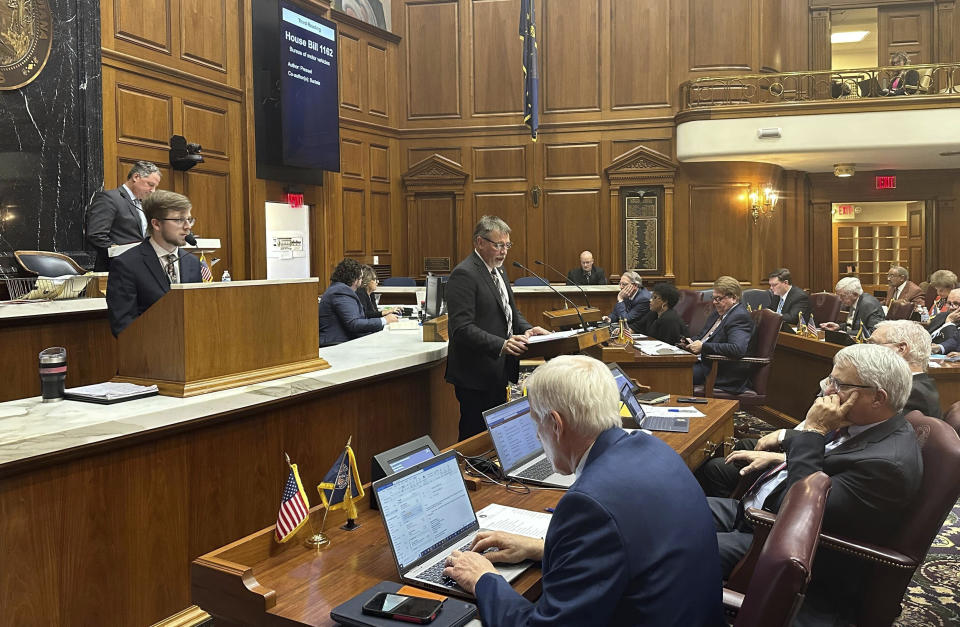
692 399
402 607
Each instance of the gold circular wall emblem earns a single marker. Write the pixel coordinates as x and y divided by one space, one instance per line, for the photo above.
26 36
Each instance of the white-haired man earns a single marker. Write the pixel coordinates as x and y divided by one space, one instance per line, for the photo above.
864 309
912 342
631 542
857 434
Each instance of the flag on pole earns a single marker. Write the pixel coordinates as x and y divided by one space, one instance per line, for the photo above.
811 325
205 275
531 76
801 325
294 507
341 485
625 333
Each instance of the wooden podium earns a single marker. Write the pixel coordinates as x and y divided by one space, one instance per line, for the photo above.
567 318
567 346
204 337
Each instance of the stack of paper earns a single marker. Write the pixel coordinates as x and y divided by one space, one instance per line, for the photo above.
110 391
656 347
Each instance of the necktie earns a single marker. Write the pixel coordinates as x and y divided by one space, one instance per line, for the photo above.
504 301
171 267
780 306
140 214
713 329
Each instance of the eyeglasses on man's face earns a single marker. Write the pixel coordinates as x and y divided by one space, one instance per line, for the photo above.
180 221
832 382
498 245
953 304
718 297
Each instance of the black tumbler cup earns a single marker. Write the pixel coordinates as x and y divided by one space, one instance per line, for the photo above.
53 373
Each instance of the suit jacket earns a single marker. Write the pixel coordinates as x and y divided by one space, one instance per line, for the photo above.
112 219
370 309
732 339
941 332
341 316
875 476
797 302
477 327
669 327
911 293
137 280
597 277
924 396
611 560
632 309
868 311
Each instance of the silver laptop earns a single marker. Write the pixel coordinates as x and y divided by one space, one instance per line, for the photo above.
514 435
427 514
638 417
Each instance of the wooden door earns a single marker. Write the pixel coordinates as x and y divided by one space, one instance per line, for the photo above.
906 29
916 229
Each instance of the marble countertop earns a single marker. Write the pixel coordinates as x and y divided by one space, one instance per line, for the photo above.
13 311
30 428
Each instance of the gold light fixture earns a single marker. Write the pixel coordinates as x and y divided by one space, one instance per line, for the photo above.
762 201
844 170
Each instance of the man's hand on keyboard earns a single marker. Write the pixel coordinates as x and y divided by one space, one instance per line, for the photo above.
508 548
466 568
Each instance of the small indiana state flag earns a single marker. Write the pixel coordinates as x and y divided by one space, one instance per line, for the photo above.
341 485
531 75
294 507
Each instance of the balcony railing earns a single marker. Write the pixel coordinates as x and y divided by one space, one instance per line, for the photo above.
908 81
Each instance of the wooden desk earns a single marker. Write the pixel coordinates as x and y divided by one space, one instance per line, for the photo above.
663 373
800 363
257 581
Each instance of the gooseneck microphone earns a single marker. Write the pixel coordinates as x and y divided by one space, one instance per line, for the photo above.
191 238
517 264
540 263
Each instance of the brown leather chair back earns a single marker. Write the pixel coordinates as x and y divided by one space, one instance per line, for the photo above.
930 297
825 307
782 569
684 306
757 298
767 323
952 417
900 311
46 263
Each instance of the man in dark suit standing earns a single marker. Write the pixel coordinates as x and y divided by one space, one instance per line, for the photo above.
785 300
600 563
116 216
727 331
865 310
487 332
855 433
901 289
587 273
143 274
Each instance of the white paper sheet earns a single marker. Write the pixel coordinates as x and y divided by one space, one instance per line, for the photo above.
556 335
672 412
656 347
522 522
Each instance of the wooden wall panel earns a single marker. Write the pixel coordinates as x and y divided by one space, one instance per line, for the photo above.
380 163
351 158
380 222
721 232
499 163
378 98
350 75
771 35
416 155
433 59
512 208
570 45
720 35
435 220
906 29
572 224
207 126
203 33
152 33
354 222
820 54
209 191
635 79
142 116
496 58
569 161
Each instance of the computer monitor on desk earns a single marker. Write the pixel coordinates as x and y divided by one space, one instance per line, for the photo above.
435 298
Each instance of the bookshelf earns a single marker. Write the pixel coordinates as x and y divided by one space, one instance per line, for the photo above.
866 250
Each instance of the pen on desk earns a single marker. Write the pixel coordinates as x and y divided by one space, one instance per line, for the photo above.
548 509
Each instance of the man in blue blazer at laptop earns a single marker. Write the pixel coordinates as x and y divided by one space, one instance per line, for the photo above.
143 274
632 542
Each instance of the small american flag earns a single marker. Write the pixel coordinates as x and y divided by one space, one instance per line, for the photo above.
625 334
811 325
294 507
205 273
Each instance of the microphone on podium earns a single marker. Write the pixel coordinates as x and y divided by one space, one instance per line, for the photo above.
517 264
191 238
541 263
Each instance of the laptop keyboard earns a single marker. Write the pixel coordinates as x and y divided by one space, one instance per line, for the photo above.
666 423
434 574
539 471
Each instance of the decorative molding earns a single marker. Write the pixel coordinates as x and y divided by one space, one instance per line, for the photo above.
435 171
130 63
642 165
370 29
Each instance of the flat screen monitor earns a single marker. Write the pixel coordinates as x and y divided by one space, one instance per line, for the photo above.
435 297
400 458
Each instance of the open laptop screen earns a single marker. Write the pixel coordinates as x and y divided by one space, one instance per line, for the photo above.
425 509
514 433
627 392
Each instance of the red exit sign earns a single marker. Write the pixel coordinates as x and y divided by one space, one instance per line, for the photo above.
886 182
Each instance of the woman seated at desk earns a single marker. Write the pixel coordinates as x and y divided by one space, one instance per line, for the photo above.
662 322
943 281
341 314
368 285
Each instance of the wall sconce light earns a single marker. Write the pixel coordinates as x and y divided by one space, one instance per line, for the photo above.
762 202
843 170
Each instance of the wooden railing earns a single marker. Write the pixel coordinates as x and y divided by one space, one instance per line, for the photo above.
915 81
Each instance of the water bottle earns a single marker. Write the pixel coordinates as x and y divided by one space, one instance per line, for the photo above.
924 315
53 373
226 276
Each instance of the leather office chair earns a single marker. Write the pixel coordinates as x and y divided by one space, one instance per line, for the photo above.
764 342
768 586
893 566
530 281
825 307
685 304
899 311
45 263
699 312
930 297
399 281
952 417
756 298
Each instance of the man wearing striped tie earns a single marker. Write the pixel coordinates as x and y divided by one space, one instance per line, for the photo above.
116 216
487 332
857 434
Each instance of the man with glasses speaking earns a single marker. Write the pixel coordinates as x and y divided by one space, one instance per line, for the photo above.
487 332
140 276
857 434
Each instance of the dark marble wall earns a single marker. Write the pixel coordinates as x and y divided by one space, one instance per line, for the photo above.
51 141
